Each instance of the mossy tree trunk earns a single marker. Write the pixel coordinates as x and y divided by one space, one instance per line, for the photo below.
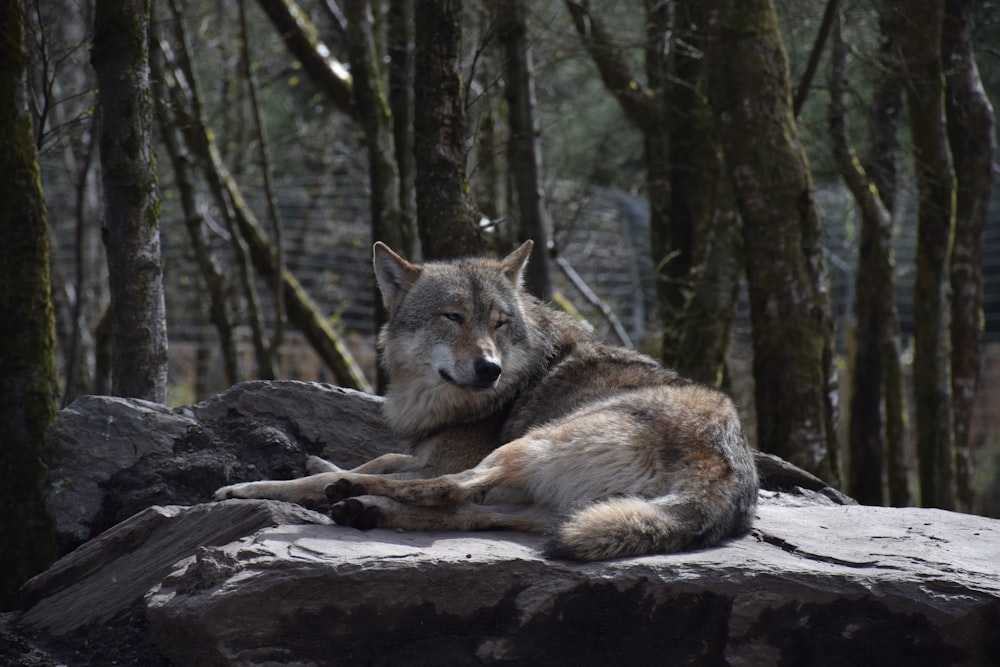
881 165
372 102
750 92
702 202
875 378
971 136
919 38
399 48
29 391
120 56
693 223
525 154
446 221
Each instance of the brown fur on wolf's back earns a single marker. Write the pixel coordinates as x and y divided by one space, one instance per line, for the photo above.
523 420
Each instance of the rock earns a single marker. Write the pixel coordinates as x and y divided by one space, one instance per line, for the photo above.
90 603
346 424
819 581
811 585
108 576
91 440
109 458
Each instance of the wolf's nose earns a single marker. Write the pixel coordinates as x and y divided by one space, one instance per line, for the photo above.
486 370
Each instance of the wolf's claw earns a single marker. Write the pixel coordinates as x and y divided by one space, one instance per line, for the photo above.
342 489
352 512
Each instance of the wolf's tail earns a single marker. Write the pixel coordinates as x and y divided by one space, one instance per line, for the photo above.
698 517
629 526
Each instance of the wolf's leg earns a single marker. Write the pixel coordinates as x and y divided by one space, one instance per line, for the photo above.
316 465
387 463
501 468
366 512
304 490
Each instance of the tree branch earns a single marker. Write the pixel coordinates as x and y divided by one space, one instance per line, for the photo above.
615 72
829 14
302 40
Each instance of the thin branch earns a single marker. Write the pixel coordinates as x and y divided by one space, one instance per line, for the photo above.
595 301
615 72
302 40
272 352
829 14
302 312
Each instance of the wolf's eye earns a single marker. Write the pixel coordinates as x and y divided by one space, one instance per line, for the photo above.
454 317
499 324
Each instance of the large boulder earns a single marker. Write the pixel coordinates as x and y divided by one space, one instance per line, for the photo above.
811 586
109 458
165 577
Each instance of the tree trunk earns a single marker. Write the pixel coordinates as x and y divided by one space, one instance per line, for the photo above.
702 203
920 39
376 122
695 250
120 57
973 145
446 222
302 312
400 51
881 166
671 236
219 311
877 320
28 394
792 324
269 350
525 163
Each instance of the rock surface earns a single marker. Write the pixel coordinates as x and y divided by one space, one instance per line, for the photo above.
816 585
261 582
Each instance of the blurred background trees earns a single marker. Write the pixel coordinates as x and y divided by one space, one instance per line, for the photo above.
786 199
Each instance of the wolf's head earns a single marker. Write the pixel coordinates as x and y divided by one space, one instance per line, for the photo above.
453 345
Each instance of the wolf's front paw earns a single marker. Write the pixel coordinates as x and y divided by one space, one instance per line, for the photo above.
343 488
356 514
244 490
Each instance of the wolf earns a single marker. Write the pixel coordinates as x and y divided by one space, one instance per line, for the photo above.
521 419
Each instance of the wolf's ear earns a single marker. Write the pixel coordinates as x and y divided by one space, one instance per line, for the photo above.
394 275
513 264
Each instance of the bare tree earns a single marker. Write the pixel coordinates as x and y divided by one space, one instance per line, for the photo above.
693 223
28 394
525 162
182 161
880 164
792 323
120 56
919 38
372 103
875 377
399 49
446 221
972 139
302 312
